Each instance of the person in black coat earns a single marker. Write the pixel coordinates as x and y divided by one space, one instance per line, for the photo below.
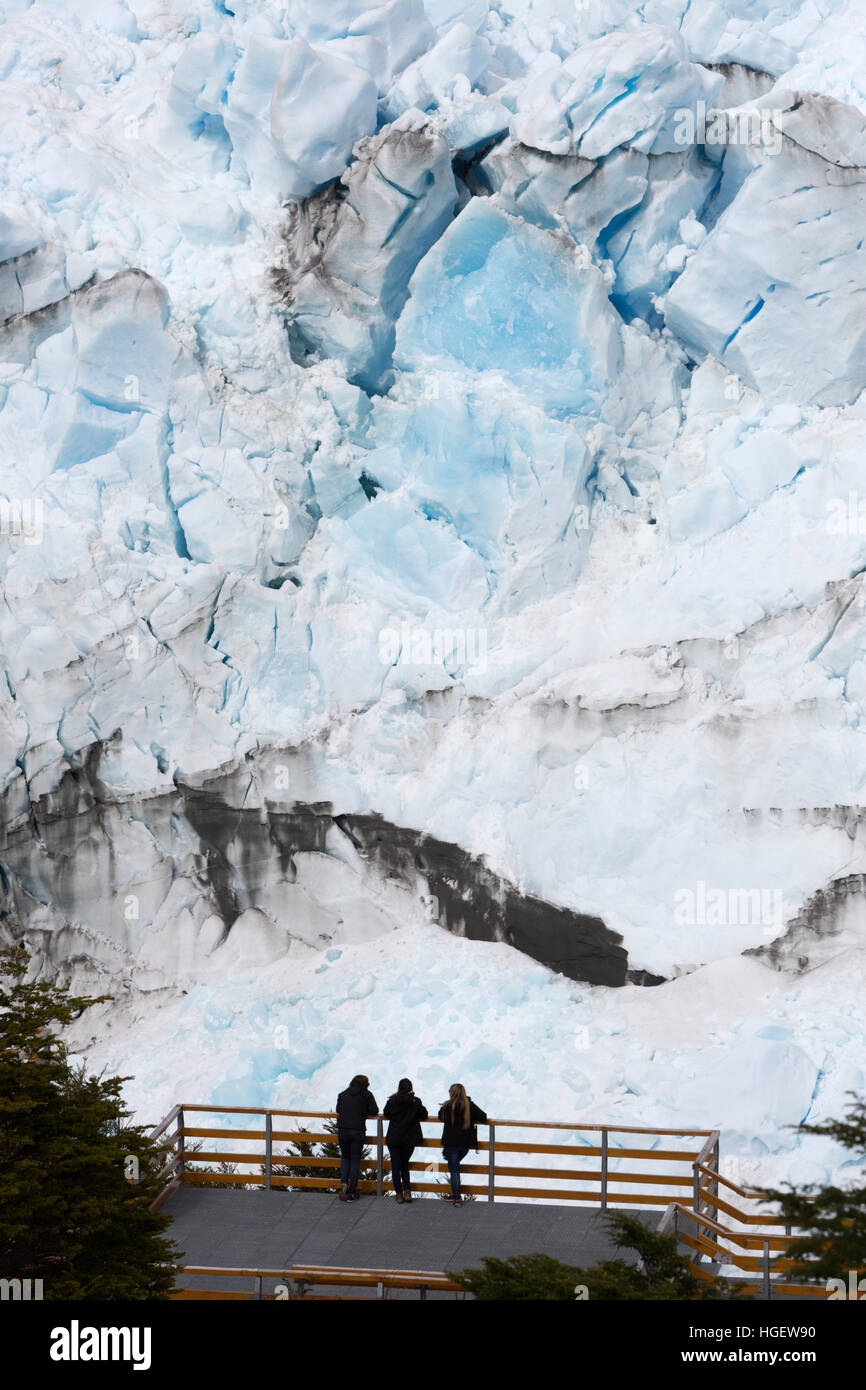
404 1112
353 1107
460 1118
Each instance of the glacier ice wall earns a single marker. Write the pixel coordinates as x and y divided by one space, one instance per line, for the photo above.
430 456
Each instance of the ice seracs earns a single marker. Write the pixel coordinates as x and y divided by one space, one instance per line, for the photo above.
620 89
286 139
350 253
498 296
774 291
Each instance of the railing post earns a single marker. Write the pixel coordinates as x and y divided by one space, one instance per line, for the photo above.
178 1145
604 1170
380 1155
491 1163
715 1188
257 1288
768 1287
696 1189
269 1146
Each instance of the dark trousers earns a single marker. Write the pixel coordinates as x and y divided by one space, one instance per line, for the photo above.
400 1155
351 1143
454 1157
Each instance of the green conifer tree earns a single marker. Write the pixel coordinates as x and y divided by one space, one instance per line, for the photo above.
830 1221
77 1180
661 1273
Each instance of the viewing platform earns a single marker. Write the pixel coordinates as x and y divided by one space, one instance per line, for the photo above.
274 1231
256 1218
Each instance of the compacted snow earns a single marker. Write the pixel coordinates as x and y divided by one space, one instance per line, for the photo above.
433 547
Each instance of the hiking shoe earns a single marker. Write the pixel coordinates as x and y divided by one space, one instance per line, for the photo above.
344 1196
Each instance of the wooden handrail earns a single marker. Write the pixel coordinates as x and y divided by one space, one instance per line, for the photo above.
337 1275
622 1164
752 1264
311 1137
559 1174
577 1125
576 1150
170 1166
402 1273
704 1243
321 1272
708 1148
726 1182
744 1238
164 1123
748 1218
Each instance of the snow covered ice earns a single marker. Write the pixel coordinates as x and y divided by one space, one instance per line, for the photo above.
433 540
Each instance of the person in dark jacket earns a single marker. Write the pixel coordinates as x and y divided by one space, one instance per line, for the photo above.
353 1107
404 1113
460 1118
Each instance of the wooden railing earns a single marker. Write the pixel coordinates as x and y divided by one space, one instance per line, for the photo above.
624 1171
290 1283
705 1228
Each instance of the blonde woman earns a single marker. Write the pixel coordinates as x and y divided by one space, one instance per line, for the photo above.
460 1118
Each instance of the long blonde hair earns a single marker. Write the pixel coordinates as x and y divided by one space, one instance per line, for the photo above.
459 1106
